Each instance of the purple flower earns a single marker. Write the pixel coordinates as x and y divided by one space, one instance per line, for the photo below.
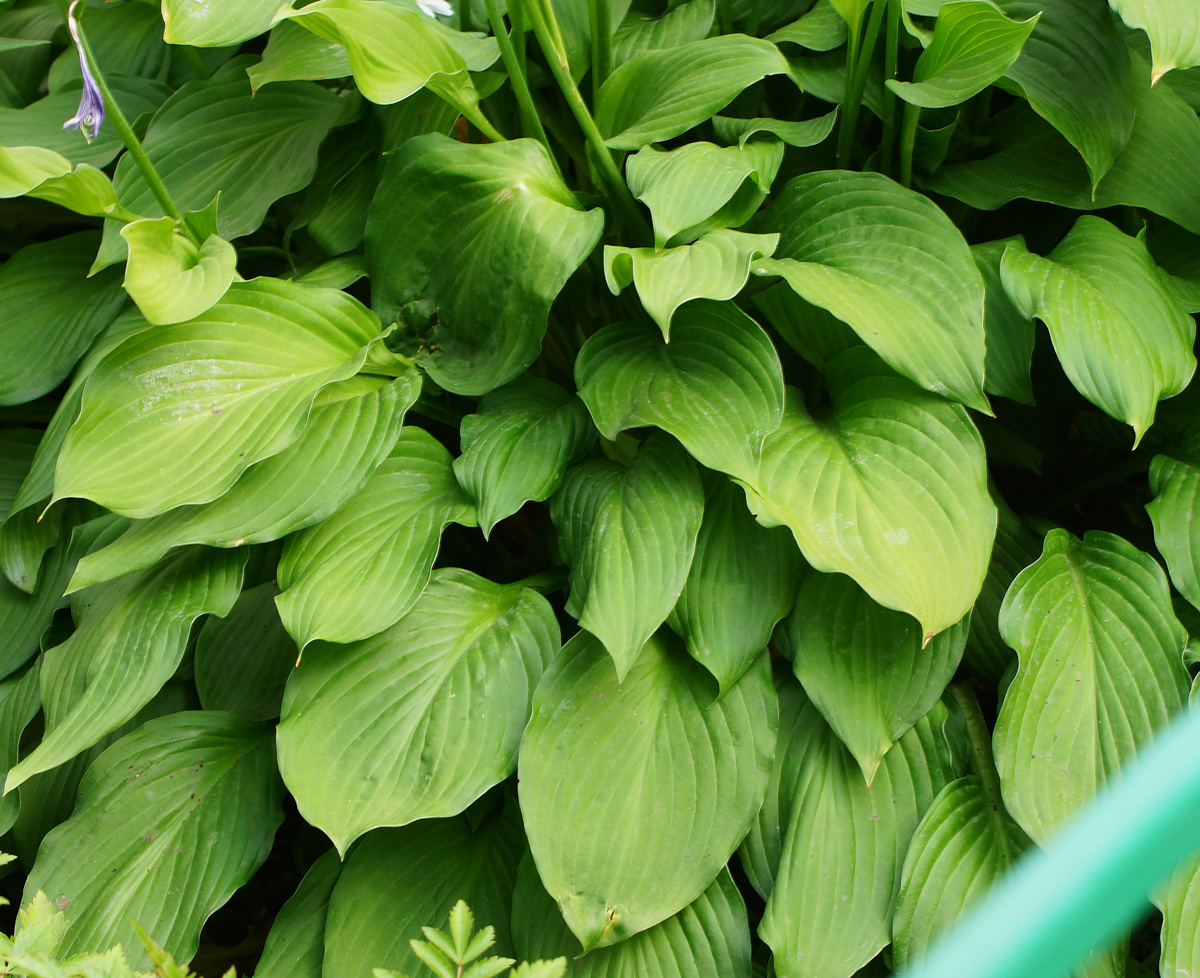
90 116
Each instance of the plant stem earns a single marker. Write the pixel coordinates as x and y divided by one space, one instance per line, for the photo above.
890 55
480 121
531 125
908 138
600 14
856 85
984 763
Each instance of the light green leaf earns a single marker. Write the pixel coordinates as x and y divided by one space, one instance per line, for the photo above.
243 660
962 846
1121 337
701 187
692 775
295 944
443 695
353 426
1175 482
660 94
864 666
742 581
1010 334
497 216
822 28
837 866
36 172
52 313
1086 612
716 266
717 386
171 278
216 23
127 645
397 881
1179 901
890 489
710 937
20 700
517 445
1074 71
145 442
799 134
688 21
629 535
395 49
296 54
1173 27
170 821
359 570
885 260
973 44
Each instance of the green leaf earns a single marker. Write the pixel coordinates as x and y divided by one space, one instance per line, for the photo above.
815 333
44 174
863 666
962 846
660 94
395 49
1085 612
799 134
124 36
837 864
1010 334
517 445
716 266
1173 27
413 694
243 660
1074 71
52 313
973 44
353 426
20 700
708 937
700 187
216 23
127 645
717 386
295 944
171 278
296 54
170 821
885 260
629 535
398 880
822 28
497 216
1121 337
692 773
742 581
1175 482
359 570
253 365
890 489
1179 901
688 21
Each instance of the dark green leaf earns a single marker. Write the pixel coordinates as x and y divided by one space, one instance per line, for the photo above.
1010 334
295 944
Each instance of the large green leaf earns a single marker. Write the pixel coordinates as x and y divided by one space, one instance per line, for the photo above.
176 413
709 938
716 266
629 535
659 94
1010 334
1179 901
52 313
1173 27
443 695
296 54
799 134
353 426
973 44
863 666
128 643
216 23
1122 338
838 848
517 445
169 276
890 489
885 260
468 245
717 386
691 771
358 571
742 581
1175 482
36 172
1074 70
295 944
397 881
1101 668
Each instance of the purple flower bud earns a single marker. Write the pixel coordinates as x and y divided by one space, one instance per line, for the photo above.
90 116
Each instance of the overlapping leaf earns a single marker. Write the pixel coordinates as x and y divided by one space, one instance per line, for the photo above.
799 134
296 54
171 277
1010 334
1175 482
36 172
1173 27
216 23
1179 901
295 944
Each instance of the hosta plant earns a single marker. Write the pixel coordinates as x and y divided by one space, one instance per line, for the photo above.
709 483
